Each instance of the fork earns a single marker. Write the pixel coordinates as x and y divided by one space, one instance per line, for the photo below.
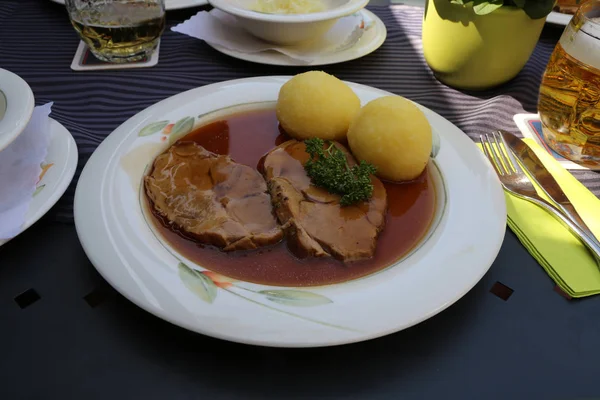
515 181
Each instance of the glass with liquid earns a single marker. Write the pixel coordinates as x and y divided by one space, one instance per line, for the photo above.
118 31
569 102
567 6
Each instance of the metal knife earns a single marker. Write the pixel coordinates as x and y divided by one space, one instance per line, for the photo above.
545 180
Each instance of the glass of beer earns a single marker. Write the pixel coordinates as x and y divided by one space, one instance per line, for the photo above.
566 6
569 102
118 31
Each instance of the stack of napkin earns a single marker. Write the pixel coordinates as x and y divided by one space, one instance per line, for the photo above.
563 256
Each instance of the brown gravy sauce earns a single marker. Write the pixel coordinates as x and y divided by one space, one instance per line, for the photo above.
247 137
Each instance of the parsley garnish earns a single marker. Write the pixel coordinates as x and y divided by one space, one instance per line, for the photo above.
329 169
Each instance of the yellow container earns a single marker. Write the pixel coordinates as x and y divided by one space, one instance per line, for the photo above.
471 51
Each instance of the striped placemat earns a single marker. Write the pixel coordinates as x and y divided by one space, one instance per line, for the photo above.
38 43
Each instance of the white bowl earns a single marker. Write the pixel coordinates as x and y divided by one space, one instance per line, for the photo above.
288 29
16 106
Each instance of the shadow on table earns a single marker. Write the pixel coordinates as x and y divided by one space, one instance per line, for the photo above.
243 371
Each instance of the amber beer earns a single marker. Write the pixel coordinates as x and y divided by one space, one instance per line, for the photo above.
119 31
567 6
569 102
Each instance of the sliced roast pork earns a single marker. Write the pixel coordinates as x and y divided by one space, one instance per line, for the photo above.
212 198
314 221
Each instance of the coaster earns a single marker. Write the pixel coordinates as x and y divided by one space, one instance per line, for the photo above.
84 60
531 127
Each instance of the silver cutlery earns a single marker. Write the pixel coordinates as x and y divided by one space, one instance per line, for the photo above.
540 175
515 181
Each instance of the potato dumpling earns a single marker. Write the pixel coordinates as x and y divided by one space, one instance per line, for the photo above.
394 135
316 104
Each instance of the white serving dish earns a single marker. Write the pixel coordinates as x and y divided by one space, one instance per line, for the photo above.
288 29
457 251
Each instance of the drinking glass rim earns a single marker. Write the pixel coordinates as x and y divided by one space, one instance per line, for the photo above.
69 3
581 19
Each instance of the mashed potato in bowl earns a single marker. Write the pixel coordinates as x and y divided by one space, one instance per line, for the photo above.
289 6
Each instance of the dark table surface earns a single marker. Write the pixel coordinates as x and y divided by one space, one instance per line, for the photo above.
78 338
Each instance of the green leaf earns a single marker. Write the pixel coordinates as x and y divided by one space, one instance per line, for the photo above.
38 190
486 7
198 283
181 128
538 9
519 3
459 2
295 297
328 168
152 128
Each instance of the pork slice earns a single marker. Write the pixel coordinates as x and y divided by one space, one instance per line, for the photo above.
212 198
314 221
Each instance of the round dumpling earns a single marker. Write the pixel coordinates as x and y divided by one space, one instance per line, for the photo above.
394 135
316 104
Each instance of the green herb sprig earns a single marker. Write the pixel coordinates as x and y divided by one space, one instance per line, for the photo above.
329 169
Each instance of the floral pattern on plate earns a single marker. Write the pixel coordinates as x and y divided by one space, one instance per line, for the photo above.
205 285
169 131
45 167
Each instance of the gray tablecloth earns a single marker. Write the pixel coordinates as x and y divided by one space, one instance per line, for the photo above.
38 43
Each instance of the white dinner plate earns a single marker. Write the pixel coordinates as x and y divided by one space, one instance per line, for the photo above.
16 106
459 248
57 173
559 18
373 36
170 4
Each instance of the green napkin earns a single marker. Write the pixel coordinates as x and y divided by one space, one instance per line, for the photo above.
562 256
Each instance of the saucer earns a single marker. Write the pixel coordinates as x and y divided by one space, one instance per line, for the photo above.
16 106
373 36
58 170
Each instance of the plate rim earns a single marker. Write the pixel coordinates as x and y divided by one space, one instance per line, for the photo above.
493 247
285 61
